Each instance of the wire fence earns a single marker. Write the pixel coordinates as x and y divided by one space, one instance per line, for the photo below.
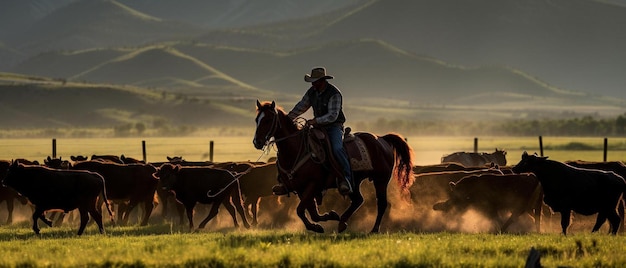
427 150
152 150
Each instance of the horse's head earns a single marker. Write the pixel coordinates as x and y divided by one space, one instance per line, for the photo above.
266 123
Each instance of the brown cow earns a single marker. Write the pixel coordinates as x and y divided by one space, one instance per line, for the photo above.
430 187
132 183
203 185
66 190
491 194
130 160
476 159
109 158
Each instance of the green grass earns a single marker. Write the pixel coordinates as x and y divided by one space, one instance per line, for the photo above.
159 245
167 245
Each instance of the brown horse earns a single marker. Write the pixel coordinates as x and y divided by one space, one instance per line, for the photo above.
308 178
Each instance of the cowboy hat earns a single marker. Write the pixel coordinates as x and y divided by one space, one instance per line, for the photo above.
316 74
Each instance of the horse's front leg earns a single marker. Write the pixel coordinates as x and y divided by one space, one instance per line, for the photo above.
316 217
306 201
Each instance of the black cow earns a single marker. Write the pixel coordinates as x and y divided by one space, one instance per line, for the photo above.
56 163
66 190
126 183
256 182
203 185
584 191
491 194
7 194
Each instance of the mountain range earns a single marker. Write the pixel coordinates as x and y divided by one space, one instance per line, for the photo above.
419 60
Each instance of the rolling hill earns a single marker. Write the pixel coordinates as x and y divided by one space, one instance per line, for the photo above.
422 59
574 44
377 79
39 102
96 24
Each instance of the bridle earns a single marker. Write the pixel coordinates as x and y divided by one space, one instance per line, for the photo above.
304 154
276 124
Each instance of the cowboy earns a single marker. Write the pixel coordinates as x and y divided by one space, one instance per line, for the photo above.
326 101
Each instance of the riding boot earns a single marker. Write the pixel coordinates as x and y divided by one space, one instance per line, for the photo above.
345 186
280 188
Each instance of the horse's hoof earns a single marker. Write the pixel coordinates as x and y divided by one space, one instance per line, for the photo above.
316 228
333 215
342 226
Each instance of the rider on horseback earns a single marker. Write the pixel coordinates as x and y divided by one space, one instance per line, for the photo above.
326 101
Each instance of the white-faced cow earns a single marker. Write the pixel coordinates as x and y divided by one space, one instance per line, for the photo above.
584 191
203 185
65 190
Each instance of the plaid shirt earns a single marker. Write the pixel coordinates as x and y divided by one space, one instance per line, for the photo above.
334 106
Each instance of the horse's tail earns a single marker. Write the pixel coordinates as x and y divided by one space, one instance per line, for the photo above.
403 160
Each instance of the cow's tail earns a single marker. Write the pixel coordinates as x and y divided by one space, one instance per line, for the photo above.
403 162
103 196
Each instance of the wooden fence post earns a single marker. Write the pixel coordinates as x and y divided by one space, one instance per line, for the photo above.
540 146
54 148
606 148
211 144
143 149
475 145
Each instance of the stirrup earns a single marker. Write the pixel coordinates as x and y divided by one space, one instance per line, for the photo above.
279 189
344 187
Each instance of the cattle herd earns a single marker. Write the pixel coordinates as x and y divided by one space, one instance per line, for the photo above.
467 191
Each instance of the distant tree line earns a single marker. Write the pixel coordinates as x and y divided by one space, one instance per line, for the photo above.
580 126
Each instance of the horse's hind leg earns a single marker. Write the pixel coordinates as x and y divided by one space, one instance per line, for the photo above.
381 202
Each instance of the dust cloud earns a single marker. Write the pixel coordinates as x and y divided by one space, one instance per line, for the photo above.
404 213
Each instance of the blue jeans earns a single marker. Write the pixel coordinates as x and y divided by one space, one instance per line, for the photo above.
335 135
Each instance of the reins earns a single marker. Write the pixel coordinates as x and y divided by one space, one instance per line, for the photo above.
302 157
236 177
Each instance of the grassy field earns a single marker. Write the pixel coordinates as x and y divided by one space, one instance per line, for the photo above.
160 246
405 241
